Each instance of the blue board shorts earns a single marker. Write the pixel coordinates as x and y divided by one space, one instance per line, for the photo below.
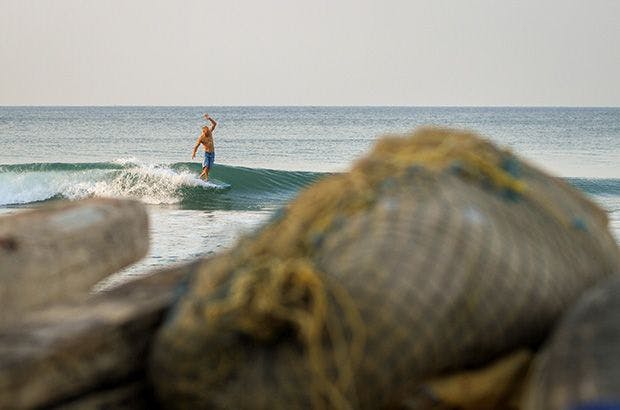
209 160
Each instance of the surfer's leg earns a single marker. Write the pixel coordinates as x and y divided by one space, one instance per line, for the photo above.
208 163
205 171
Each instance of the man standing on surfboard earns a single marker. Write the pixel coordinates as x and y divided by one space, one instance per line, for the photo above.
206 139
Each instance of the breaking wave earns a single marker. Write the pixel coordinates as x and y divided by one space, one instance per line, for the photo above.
229 187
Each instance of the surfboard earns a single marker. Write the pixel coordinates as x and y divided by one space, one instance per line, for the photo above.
211 184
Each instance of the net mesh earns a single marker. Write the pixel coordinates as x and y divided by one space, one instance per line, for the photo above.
436 252
580 364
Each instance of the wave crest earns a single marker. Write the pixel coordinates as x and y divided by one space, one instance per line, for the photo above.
229 188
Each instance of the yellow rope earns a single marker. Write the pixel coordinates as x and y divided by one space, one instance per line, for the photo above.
292 292
277 285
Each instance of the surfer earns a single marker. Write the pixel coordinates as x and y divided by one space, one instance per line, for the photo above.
206 139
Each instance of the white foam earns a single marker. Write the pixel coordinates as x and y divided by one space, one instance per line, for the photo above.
126 161
149 183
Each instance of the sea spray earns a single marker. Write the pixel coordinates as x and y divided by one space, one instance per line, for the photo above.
230 188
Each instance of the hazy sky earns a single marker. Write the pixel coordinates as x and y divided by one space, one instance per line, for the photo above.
312 52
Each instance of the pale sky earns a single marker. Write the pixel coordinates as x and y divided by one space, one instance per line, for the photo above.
312 52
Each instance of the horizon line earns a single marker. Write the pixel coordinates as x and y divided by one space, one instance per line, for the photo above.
297 106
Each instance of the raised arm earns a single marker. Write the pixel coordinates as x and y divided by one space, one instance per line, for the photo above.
213 123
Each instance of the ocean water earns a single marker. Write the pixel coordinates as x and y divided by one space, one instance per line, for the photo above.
264 156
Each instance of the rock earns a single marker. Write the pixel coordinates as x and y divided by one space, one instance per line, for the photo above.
130 396
71 350
59 251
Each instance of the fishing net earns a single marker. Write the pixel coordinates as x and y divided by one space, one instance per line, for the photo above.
580 365
436 252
